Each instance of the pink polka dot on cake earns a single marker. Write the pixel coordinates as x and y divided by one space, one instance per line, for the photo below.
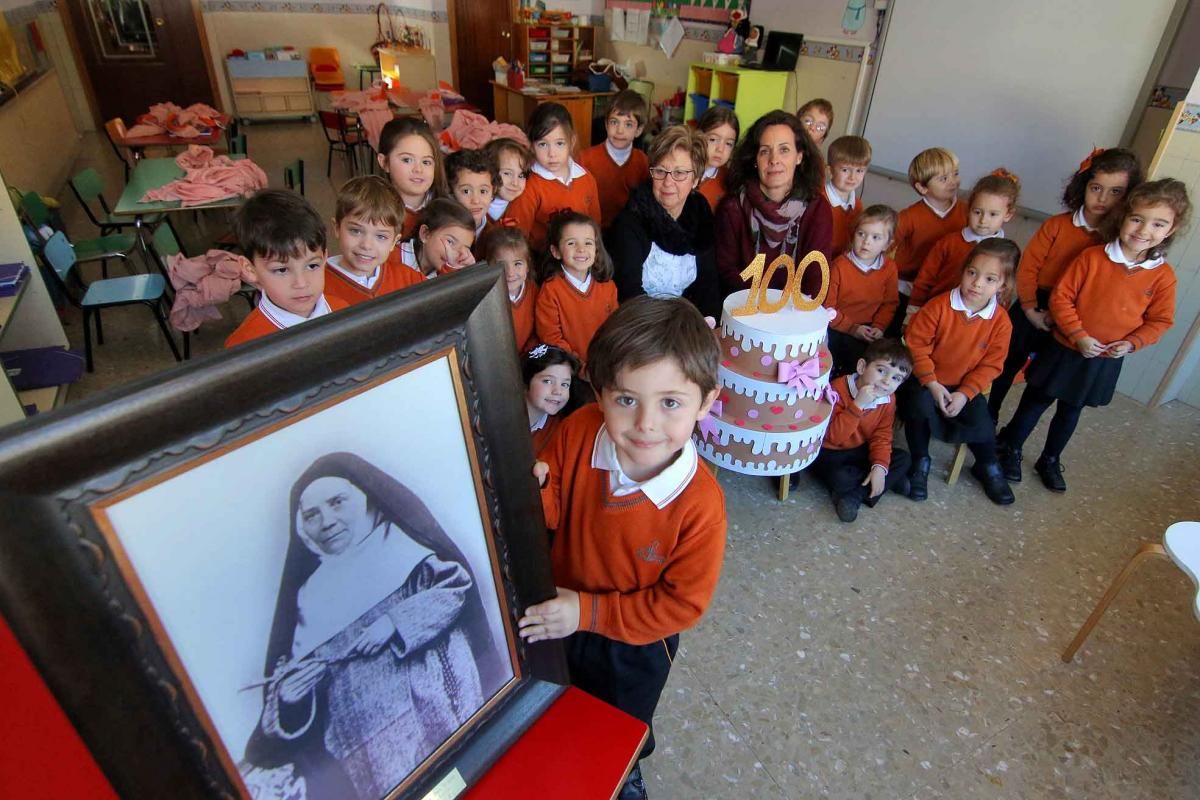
752 413
733 351
813 418
739 423
794 427
766 361
799 414
768 426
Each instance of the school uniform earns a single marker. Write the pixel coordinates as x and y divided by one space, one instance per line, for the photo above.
856 440
546 194
845 215
617 173
523 306
645 558
568 312
352 288
481 230
942 268
412 217
860 294
712 185
542 431
918 228
266 318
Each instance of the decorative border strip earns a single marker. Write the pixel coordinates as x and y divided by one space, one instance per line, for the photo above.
1190 119
287 7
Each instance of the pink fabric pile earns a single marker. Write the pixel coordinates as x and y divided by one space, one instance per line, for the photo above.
208 178
201 284
470 131
186 123
372 109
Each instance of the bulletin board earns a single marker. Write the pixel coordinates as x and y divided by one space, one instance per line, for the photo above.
695 10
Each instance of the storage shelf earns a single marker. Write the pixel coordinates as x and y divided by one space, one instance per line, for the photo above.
750 92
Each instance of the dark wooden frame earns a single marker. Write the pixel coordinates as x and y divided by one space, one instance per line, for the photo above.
65 598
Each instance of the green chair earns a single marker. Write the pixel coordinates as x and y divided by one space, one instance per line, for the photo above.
237 145
147 289
103 248
293 176
88 188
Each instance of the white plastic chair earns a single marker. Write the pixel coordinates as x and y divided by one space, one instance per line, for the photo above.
1181 543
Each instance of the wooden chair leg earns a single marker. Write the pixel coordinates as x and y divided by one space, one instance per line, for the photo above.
960 457
1147 549
785 483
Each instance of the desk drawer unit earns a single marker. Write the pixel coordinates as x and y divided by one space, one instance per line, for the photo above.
269 89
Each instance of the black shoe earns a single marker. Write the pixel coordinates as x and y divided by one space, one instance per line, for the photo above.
847 507
918 479
1049 469
1010 461
994 485
902 487
634 787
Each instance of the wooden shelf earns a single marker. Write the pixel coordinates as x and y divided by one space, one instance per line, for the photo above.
46 399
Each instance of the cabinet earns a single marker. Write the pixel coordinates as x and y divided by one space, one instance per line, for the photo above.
555 52
269 89
749 92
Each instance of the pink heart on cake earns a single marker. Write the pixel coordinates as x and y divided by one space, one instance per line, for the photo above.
768 426
814 418
724 363
794 427
776 409
739 423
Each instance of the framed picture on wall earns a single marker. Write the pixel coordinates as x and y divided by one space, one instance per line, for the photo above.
293 571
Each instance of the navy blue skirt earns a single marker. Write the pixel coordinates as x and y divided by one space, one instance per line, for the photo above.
1064 374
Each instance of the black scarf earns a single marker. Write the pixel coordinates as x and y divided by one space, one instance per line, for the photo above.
691 233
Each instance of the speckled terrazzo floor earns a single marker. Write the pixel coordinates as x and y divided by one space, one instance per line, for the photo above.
914 653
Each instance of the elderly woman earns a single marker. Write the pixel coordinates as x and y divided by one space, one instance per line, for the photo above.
776 202
661 243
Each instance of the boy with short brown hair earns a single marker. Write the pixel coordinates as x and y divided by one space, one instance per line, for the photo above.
367 221
615 163
848 159
639 523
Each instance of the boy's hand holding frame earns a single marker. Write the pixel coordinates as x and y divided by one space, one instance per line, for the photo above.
556 618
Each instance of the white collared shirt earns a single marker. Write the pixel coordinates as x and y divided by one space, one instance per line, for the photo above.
541 423
497 208
520 294
710 173
479 226
408 257
957 303
619 157
424 202
973 237
574 171
286 319
941 214
835 198
661 489
1080 221
852 382
581 285
367 281
874 265
1115 253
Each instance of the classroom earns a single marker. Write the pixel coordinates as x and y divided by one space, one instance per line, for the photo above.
781 290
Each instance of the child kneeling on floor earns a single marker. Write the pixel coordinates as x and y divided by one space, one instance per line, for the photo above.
639 523
857 461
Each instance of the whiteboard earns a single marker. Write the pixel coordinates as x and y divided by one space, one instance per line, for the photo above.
1032 85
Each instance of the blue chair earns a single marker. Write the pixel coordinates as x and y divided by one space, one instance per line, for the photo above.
113 245
146 290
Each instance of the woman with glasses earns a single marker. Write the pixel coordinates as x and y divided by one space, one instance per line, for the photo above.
662 243
776 203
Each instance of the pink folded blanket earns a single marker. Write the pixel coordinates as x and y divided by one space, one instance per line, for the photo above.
201 284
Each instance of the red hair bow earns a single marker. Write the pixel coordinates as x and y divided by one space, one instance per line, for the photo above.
1086 164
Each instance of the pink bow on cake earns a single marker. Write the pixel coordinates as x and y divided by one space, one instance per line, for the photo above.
708 425
800 374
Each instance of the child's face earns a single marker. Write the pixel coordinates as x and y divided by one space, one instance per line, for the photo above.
847 177
883 375
553 151
981 280
871 239
622 130
1104 193
1146 227
719 143
989 213
474 191
650 413
333 514
817 124
448 247
364 244
942 188
576 248
549 389
412 166
515 263
512 176
295 283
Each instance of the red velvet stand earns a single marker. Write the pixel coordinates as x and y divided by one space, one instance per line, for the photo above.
580 748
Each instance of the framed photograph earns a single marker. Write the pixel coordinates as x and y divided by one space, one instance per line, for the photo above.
293 571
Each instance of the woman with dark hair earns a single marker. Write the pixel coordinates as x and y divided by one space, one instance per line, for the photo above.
380 647
776 202
661 243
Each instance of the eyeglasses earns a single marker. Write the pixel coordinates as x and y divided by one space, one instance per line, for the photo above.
811 124
660 174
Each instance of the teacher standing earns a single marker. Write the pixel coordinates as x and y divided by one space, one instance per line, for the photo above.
661 243
775 203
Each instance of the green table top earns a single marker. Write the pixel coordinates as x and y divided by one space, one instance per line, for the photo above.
153 173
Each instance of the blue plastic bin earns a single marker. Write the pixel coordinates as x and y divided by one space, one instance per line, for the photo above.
699 105
599 83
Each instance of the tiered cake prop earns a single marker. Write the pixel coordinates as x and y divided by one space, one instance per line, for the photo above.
775 401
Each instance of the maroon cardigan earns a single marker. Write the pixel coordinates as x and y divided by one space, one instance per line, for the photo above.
735 243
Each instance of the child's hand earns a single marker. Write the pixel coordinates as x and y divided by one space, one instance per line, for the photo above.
954 403
541 471
873 333
874 479
1038 319
940 394
866 395
1118 349
863 333
375 637
553 619
1090 347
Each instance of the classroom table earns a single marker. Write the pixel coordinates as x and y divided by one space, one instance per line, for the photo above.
137 144
364 70
515 106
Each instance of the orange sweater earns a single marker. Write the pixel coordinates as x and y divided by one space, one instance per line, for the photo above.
642 573
713 189
941 270
843 226
850 426
918 229
257 324
861 298
568 318
615 181
531 211
1047 255
1098 297
393 276
545 434
522 316
956 351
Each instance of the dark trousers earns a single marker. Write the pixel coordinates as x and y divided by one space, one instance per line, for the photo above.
893 330
846 351
972 426
630 677
843 471
1034 403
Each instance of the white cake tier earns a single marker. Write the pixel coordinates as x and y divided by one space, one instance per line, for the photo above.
786 334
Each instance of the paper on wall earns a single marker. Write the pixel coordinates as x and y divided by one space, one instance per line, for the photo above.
671 37
637 26
615 22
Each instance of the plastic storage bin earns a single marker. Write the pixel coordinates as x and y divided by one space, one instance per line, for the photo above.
699 104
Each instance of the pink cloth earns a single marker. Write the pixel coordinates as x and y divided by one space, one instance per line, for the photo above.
209 178
201 284
469 130
372 121
182 122
359 101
